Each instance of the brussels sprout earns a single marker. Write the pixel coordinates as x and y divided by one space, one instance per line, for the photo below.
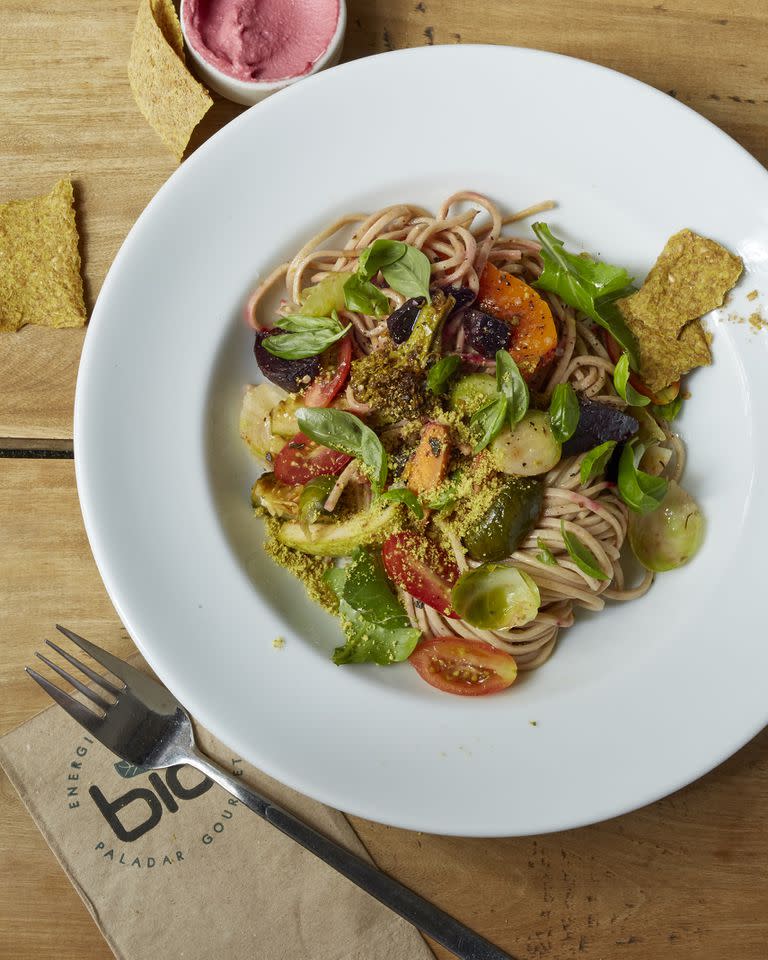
529 448
472 392
278 499
312 500
669 536
496 597
256 419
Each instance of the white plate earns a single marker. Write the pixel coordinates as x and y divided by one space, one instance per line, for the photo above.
638 700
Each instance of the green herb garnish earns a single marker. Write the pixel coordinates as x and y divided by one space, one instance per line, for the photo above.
365 297
581 555
564 412
488 422
668 411
344 431
642 492
304 336
623 387
545 555
441 373
596 461
510 384
406 496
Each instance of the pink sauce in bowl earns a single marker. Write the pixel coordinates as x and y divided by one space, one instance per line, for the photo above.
260 40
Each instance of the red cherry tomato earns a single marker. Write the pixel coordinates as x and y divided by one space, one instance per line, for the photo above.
322 391
301 460
667 395
469 668
422 568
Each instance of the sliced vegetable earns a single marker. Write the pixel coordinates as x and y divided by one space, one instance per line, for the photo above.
304 337
324 389
376 626
670 536
488 422
621 380
496 596
401 323
485 333
406 496
588 285
472 392
422 568
278 499
582 556
510 384
428 465
508 298
291 375
365 297
469 668
530 448
347 433
639 490
508 520
595 462
301 460
312 501
283 417
339 539
256 419
323 298
599 422
441 373
545 555
564 412
425 336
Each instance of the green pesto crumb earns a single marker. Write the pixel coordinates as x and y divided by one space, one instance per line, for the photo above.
307 568
278 643
533 723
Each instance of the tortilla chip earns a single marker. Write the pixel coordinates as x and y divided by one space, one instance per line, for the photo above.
40 278
167 94
691 277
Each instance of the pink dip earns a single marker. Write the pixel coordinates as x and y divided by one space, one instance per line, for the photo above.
261 39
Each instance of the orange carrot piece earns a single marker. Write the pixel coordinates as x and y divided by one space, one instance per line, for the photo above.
534 334
429 462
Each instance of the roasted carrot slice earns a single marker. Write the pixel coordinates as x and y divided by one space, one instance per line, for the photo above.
429 463
505 296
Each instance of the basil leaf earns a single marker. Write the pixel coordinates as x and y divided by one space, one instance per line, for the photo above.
545 555
588 285
344 431
445 495
623 387
564 412
299 346
410 274
298 323
641 491
381 253
488 422
441 373
668 411
581 555
596 461
510 384
376 626
364 297
406 496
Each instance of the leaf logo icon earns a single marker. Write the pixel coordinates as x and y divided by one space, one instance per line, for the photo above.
128 770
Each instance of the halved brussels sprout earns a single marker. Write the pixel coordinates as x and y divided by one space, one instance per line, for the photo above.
256 421
668 537
495 596
278 499
529 448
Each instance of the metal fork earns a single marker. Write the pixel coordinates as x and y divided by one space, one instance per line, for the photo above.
146 725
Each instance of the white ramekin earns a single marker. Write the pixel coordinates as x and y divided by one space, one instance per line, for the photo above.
249 92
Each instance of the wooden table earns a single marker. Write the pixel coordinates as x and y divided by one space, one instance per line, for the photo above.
684 877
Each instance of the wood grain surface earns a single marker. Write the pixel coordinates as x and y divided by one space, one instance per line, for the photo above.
684 877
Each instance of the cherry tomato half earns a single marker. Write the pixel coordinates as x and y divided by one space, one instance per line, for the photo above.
469 668
322 391
301 460
422 568
667 395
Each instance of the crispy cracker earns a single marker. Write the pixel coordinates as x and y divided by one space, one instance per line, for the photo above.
40 278
691 277
167 94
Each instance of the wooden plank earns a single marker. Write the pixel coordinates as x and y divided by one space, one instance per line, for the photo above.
688 872
66 109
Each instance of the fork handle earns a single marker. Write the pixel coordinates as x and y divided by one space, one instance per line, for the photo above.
454 936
